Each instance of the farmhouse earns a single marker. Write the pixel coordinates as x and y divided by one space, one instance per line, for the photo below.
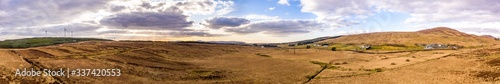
436 46
365 47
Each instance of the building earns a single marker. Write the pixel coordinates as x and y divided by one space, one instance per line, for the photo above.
365 47
436 46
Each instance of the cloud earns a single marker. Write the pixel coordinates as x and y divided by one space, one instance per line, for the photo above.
260 17
274 27
219 22
271 9
78 29
21 13
284 2
429 11
193 33
166 18
113 31
336 9
117 8
88 17
169 19
279 27
421 11
224 7
206 7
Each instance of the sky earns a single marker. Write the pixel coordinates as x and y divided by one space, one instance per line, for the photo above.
251 21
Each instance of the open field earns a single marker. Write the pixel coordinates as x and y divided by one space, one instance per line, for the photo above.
166 62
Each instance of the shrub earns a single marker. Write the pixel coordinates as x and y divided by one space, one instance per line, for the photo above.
407 60
393 63
378 70
333 67
334 49
337 63
375 70
344 62
385 58
308 46
263 55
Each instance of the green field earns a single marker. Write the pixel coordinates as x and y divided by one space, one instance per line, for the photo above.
36 42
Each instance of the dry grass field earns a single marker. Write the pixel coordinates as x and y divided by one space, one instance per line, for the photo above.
171 62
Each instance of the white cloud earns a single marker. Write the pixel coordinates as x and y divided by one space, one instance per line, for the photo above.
272 8
33 13
278 27
284 2
336 9
225 7
429 11
260 17
421 11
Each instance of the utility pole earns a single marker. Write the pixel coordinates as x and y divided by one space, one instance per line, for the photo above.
46 34
71 34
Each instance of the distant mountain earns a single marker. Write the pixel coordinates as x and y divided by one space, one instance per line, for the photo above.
226 42
213 42
438 35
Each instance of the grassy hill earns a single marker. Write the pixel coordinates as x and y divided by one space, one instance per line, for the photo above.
438 35
36 42
309 41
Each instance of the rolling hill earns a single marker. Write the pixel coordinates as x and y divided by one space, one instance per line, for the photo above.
438 35
37 42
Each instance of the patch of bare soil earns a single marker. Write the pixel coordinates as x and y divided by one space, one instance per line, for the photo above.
488 75
494 62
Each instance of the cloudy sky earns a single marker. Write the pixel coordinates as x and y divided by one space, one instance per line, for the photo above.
240 20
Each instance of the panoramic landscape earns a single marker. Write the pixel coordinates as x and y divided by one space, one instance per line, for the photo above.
472 59
249 42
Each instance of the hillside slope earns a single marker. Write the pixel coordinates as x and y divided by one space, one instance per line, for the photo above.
439 35
37 42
